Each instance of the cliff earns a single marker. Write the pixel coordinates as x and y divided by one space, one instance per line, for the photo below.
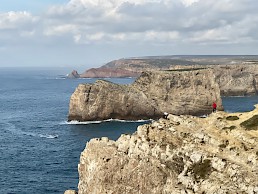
108 72
181 154
152 94
237 80
236 75
74 74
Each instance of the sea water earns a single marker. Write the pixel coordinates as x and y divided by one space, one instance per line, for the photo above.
39 149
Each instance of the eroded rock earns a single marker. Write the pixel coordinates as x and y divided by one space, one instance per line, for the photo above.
181 154
153 93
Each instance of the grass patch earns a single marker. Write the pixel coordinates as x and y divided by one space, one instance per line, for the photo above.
230 128
176 165
232 118
250 124
187 69
201 170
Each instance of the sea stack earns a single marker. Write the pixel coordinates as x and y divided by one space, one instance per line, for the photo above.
180 154
187 91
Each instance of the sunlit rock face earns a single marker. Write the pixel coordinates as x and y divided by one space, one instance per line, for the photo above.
180 154
153 93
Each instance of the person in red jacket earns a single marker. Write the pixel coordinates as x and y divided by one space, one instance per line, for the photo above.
214 107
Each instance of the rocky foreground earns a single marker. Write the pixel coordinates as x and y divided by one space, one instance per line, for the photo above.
188 91
180 154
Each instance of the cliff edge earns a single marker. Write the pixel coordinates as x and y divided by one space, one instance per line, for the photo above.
153 93
180 154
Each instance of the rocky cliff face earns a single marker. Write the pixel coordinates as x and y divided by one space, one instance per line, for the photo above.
236 75
108 72
181 154
73 74
152 94
237 80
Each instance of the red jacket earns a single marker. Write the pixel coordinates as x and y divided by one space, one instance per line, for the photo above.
214 105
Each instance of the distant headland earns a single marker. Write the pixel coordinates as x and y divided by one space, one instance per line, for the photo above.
237 75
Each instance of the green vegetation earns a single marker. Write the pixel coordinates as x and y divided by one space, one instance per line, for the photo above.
230 128
232 118
201 170
176 165
187 69
250 124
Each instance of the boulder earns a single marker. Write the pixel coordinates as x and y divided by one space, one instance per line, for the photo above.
70 192
153 93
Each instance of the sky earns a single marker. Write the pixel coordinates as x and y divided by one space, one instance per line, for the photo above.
90 33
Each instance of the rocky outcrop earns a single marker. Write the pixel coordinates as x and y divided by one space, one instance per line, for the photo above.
73 74
181 154
236 75
108 72
152 94
237 80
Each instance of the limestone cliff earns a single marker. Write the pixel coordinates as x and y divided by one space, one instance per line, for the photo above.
236 75
237 80
108 72
181 154
152 94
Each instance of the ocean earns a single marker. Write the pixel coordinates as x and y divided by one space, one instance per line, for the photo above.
39 149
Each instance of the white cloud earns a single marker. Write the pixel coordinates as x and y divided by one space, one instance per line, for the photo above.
15 20
158 24
189 2
60 30
148 16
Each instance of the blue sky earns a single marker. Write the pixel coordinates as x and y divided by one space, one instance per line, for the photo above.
28 5
90 33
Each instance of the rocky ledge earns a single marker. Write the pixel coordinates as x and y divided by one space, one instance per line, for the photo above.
180 154
153 93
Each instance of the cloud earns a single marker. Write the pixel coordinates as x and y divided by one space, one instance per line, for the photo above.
152 20
175 26
15 20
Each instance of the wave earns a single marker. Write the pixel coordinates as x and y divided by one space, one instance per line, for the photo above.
74 122
14 130
48 136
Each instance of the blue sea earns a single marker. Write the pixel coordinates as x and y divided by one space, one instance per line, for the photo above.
39 149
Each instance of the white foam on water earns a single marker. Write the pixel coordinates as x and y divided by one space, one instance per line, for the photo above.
80 123
15 131
48 136
74 122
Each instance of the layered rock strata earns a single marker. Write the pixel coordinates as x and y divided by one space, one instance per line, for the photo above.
153 93
180 154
